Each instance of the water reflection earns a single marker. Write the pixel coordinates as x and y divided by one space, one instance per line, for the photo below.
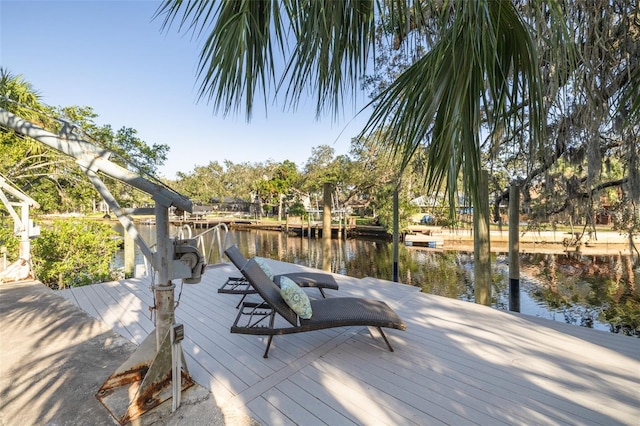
591 291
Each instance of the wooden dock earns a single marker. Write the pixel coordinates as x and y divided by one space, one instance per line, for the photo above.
457 364
313 229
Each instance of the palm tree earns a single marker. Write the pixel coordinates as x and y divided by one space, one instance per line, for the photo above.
19 97
482 61
22 159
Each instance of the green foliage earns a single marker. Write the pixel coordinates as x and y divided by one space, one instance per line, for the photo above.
29 165
285 175
366 221
73 253
276 185
18 96
203 184
428 115
321 168
327 46
624 317
297 209
385 210
489 46
444 277
240 179
280 180
54 179
584 289
130 151
9 240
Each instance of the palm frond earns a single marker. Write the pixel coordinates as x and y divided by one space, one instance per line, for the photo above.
237 58
325 46
484 60
332 44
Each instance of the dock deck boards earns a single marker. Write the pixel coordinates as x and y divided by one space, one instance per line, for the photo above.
458 363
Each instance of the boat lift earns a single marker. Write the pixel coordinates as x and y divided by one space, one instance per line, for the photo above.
157 370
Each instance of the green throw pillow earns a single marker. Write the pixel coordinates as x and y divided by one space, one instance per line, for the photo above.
265 267
295 297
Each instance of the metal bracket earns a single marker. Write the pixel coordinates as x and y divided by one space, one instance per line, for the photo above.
146 379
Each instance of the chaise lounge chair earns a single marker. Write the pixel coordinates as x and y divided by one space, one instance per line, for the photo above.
259 318
240 285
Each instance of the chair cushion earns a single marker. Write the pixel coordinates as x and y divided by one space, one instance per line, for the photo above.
295 297
265 266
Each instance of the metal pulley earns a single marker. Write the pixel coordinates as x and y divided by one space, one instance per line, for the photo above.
188 264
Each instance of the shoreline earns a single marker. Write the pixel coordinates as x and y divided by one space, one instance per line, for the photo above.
606 243
597 249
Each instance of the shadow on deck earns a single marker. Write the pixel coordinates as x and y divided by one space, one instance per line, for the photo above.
458 363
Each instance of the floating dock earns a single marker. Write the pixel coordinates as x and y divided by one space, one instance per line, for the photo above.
423 240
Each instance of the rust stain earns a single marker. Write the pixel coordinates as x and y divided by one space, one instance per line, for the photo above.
133 375
144 401
150 399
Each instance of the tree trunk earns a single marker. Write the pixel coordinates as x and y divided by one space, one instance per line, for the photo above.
326 228
481 243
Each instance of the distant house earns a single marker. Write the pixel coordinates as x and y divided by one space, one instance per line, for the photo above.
231 204
201 211
424 202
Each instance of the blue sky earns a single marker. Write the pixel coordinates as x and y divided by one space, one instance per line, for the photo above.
111 55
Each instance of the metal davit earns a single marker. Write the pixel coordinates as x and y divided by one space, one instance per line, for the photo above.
157 370
21 268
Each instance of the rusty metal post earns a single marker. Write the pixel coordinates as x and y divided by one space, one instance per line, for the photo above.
163 290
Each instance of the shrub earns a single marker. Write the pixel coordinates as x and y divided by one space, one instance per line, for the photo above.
73 253
297 209
9 240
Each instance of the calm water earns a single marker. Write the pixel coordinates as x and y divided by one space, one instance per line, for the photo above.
599 292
